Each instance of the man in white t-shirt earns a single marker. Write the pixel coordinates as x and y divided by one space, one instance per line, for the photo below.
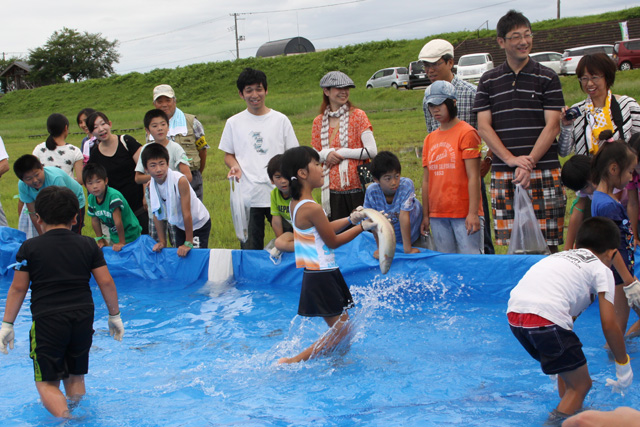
4 167
553 293
250 139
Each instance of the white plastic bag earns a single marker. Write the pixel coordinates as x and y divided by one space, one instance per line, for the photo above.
239 209
526 236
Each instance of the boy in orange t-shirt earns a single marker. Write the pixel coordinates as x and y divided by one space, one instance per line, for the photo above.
451 180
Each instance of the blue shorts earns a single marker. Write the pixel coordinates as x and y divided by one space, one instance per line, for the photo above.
558 350
60 344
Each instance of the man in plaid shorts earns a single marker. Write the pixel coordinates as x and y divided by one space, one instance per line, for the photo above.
518 105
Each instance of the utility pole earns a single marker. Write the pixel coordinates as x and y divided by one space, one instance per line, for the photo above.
558 9
238 38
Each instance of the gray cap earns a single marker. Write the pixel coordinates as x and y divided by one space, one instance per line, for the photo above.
336 79
435 49
163 90
439 91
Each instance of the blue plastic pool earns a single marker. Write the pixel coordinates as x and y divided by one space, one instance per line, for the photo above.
428 349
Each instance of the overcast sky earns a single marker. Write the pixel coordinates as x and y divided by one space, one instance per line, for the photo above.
168 34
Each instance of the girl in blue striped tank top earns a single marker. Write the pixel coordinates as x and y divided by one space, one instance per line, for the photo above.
324 292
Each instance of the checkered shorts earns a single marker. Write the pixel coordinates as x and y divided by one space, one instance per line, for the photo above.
547 196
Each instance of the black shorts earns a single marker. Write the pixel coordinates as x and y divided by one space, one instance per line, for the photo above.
60 343
324 293
558 350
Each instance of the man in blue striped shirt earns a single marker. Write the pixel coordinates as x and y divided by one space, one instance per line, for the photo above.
518 105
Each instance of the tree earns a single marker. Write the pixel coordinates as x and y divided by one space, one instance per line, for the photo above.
72 56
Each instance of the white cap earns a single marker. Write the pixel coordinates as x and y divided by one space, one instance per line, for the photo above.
163 90
434 50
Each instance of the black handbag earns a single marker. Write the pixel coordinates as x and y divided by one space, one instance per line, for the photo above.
364 171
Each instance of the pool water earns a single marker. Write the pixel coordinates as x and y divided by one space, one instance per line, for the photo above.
422 353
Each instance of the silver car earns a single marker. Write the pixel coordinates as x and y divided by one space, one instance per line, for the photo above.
394 77
471 67
571 57
548 59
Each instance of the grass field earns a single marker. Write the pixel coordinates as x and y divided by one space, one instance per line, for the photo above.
208 90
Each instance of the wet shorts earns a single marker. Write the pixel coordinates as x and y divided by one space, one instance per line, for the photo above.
324 293
547 196
558 350
60 343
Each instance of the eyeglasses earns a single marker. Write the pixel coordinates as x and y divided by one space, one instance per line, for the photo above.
519 37
436 64
595 79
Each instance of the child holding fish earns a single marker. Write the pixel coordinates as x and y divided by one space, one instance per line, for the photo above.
324 292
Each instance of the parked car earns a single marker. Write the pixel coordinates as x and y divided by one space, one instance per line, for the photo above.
471 67
571 57
549 59
394 77
626 54
417 75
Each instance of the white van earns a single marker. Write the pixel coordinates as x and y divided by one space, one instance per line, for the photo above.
471 67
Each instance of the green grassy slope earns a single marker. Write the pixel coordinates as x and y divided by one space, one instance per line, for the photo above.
208 90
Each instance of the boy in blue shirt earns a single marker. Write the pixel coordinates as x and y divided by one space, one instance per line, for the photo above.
280 199
394 195
58 265
34 177
107 206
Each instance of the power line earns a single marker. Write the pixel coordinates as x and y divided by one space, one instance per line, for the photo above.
301 8
188 27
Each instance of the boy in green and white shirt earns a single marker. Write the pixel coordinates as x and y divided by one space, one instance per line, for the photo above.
109 207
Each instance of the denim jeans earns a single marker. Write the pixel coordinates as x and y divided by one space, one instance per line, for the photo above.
450 236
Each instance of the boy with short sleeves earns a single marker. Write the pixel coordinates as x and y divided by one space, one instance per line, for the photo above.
109 207
249 140
280 215
58 265
553 293
34 177
172 198
396 196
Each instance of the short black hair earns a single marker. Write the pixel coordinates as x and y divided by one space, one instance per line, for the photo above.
249 76
513 19
452 108
576 172
152 114
598 234
93 169
385 162
86 112
57 205
154 151
25 164
274 166
598 64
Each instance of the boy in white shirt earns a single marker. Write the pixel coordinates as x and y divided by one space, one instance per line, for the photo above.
553 293
172 198
250 139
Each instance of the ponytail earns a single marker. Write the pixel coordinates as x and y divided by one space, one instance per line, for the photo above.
56 124
293 160
616 152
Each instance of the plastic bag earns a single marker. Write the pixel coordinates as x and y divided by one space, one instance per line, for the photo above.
239 210
526 236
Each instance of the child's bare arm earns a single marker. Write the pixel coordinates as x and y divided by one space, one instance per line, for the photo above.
327 230
184 170
142 178
15 297
622 269
472 222
611 329
95 224
405 231
117 220
575 222
424 227
31 207
162 235
107 288
185 204
276 224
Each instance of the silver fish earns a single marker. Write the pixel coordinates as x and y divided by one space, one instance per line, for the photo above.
386 238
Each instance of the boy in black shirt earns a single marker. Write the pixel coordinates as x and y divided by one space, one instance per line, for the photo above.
59 264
